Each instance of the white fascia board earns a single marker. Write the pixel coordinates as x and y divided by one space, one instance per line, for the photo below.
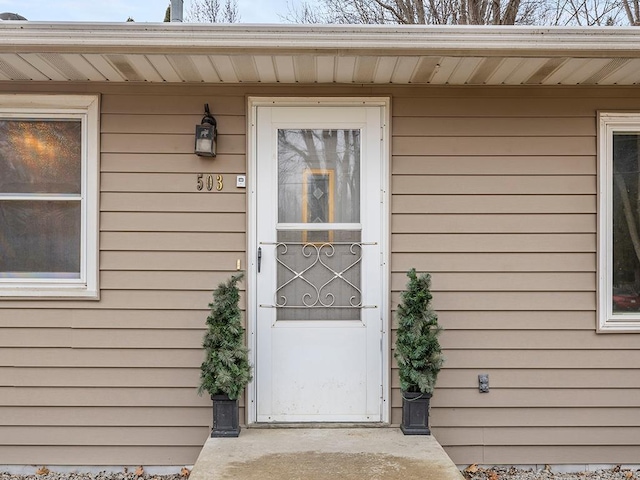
178 38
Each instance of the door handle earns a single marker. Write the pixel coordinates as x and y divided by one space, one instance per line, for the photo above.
259 258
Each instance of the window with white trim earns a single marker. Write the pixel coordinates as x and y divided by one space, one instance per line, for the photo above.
49 196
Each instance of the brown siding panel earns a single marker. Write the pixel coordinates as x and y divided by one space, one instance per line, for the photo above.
471 127
494 165
114 382
502 204
110 416
110 436
159 183
177 202
169 163
539 454
101 357
493 190
118 455
511 145
170 241
493 242
493 184
102 397
496 196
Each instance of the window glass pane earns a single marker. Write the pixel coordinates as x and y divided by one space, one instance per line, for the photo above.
308 285
319 176
626 222
40 239
42 156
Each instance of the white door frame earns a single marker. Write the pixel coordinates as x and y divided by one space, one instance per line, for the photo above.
252 242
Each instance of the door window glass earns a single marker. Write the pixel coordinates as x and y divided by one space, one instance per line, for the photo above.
318 176
318 184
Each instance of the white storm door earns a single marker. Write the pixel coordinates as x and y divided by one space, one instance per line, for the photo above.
319 281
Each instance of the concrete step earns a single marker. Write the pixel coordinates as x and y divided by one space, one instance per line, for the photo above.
323 454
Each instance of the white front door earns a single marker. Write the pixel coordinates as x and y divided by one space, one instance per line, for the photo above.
319 263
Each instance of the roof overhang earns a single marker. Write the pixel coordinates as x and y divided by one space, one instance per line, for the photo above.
326 54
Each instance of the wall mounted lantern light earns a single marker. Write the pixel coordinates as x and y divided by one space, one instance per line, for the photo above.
206 135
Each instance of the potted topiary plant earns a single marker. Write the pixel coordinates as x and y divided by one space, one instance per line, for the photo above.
225 371
417 352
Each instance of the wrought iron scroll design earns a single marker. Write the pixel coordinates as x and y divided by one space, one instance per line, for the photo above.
319 296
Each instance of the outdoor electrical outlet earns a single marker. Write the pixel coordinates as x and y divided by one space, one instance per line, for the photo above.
483 383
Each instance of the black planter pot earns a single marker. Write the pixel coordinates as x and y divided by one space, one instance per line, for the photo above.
415 413
225 417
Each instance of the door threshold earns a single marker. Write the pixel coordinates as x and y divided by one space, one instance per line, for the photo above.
320 425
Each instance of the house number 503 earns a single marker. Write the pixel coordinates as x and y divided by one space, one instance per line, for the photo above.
209 181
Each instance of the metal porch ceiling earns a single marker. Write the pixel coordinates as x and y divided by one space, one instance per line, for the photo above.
229 54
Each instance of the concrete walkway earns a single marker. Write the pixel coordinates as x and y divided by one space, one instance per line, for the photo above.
323 454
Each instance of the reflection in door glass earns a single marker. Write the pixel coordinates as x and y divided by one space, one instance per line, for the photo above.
319 176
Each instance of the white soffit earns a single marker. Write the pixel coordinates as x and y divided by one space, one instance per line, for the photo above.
303 54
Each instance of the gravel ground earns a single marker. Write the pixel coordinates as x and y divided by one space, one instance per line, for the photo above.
472 473
617 473
91 476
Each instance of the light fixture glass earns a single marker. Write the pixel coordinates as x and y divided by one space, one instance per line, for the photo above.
206 135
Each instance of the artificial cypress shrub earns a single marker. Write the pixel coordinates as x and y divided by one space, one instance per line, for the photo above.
417 347
226 368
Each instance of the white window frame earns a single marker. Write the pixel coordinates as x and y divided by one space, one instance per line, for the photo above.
608 321
74 107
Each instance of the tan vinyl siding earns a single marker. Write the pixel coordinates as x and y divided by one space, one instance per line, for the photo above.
114 381
493 190
495 195
99 455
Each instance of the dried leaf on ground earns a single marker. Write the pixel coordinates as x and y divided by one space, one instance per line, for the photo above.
471 468
628 474
139 471
185 472
42 471
493 476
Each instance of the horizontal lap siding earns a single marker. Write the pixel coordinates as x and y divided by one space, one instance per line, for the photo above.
493 193
114 382
496 197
